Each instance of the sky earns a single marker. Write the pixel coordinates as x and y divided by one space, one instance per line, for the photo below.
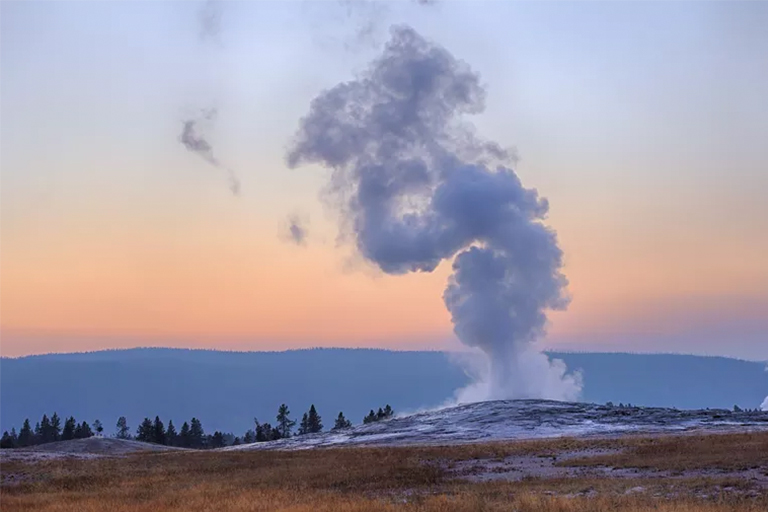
643 124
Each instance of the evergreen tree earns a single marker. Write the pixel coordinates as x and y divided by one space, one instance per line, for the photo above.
158 431
262 432
55 427
26 436
370 418
275 434
14 437
45 435
83 431
196 434
249 437
184 439
314 423
217 440
7 441
284 422
146 431
123 432
236 442
171 437
38 434
388 412
97 426
304 425
69 429
380 414
341 422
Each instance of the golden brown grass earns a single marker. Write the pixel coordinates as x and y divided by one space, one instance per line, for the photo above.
384 479
731 452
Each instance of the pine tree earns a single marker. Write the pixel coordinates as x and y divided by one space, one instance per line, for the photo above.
38 434
388 412
284 423
123 432
184 439
341 422
14 437
83 431
171 437
314 423
380 414
69 429
196 433
217 440
146 431
370 418
26 437
158 431
304 425
7 441
249 437
97 426
55 427
236 442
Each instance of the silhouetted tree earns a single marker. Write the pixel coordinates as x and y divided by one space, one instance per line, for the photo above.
341 422
97 426
196 434
55 427
83 431
370 418
216 440
146 432
284 422
304 425
26 436
69 429
123 432
184 439
249 437
236 442
9 440
158 431
171 437
388 412
314 422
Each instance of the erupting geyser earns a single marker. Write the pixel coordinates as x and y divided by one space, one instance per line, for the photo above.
415 186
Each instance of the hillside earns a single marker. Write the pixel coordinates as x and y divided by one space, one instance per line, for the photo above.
226 390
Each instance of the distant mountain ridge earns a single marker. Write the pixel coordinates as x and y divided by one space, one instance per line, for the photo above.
226 390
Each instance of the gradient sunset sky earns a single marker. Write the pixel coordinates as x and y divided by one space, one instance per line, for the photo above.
644 124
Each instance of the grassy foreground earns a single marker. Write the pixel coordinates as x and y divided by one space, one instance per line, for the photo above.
406 478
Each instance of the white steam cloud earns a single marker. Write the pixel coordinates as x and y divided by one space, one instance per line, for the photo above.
193 139
415 188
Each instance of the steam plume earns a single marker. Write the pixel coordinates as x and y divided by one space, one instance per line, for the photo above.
415 188
764 405
296 230
210 19
194 141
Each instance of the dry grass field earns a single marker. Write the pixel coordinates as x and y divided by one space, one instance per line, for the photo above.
690 473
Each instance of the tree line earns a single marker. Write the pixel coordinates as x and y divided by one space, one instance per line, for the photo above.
190 435
48 430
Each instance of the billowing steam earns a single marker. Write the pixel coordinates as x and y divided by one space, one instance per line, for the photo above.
196 142
764 405
210 19
414 189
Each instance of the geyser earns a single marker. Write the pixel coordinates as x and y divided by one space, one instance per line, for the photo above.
415 186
